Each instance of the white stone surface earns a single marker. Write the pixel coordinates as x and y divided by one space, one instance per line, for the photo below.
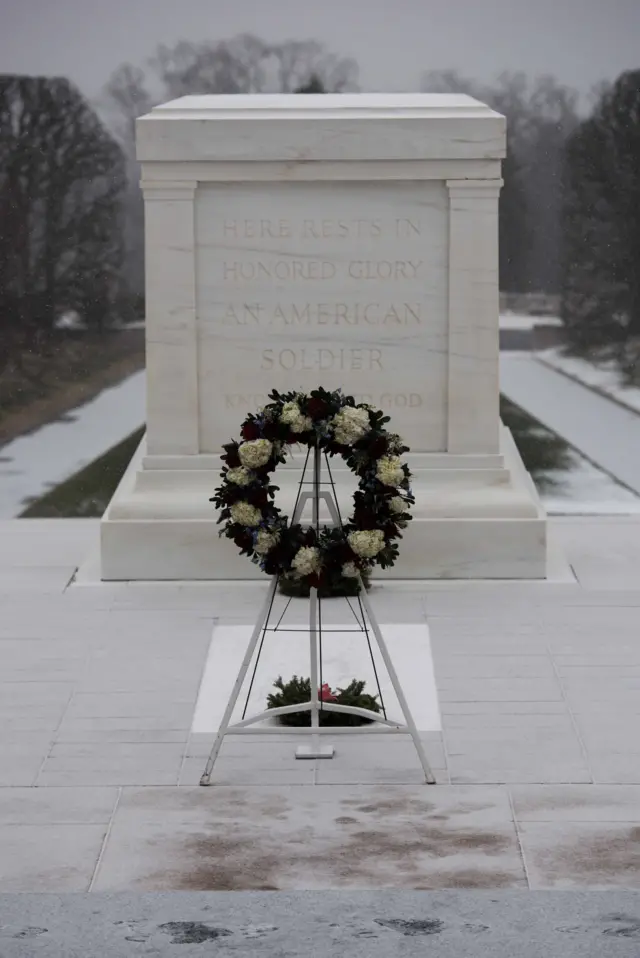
345 657
343 285
303 128
537 684
337 241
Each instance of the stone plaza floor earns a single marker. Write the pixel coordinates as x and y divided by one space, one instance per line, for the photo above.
537 759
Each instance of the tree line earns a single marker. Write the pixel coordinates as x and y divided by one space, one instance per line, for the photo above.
71 235
62 178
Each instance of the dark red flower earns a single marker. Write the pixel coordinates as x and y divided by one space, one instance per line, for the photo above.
317 408
244 540
262 472
250 430
257 497
345 553
376 447
365 518
276 557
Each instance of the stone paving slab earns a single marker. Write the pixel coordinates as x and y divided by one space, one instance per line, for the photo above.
581 854
49 858
57 806
314 837
451 924
538 686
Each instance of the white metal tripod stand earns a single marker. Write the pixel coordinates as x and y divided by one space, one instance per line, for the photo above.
381 724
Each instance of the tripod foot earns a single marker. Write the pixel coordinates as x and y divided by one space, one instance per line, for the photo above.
206 779
315 751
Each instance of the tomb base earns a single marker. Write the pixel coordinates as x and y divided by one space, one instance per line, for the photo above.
476 517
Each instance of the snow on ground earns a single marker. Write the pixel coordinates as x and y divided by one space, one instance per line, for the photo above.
32 464
603 377
525 321
603 431
587 490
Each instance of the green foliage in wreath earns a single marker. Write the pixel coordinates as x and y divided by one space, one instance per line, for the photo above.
336 425
298 690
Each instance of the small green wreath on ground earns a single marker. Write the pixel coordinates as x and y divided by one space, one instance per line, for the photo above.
338 426
291 587
298 690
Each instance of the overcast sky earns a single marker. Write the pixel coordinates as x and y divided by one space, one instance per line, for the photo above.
394 41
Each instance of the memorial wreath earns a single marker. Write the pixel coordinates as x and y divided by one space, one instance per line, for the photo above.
337 426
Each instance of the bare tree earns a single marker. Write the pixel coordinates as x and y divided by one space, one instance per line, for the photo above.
126 97
228 66
246 64
314 86
61 185
301 61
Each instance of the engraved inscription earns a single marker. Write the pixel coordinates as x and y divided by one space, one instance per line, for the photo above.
378 400
281 270
297 270
392 400
245 401
341 229
340 284
247 271
322 359
384 270
317 229
257 229
321 314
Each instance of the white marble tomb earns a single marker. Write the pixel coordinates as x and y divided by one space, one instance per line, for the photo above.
344 241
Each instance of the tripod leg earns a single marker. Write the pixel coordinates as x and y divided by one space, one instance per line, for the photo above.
246 662
397 688
313 666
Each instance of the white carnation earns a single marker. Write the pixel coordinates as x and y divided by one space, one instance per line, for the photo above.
306 561
290 412
350 570
303 424
389 471
292 416
350 424
394 442
367 543
265 541
240 476
398 504
255 453
245 514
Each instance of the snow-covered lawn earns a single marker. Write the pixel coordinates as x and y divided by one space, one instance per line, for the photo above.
604 432
587 490
526 321
604 377
32 464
